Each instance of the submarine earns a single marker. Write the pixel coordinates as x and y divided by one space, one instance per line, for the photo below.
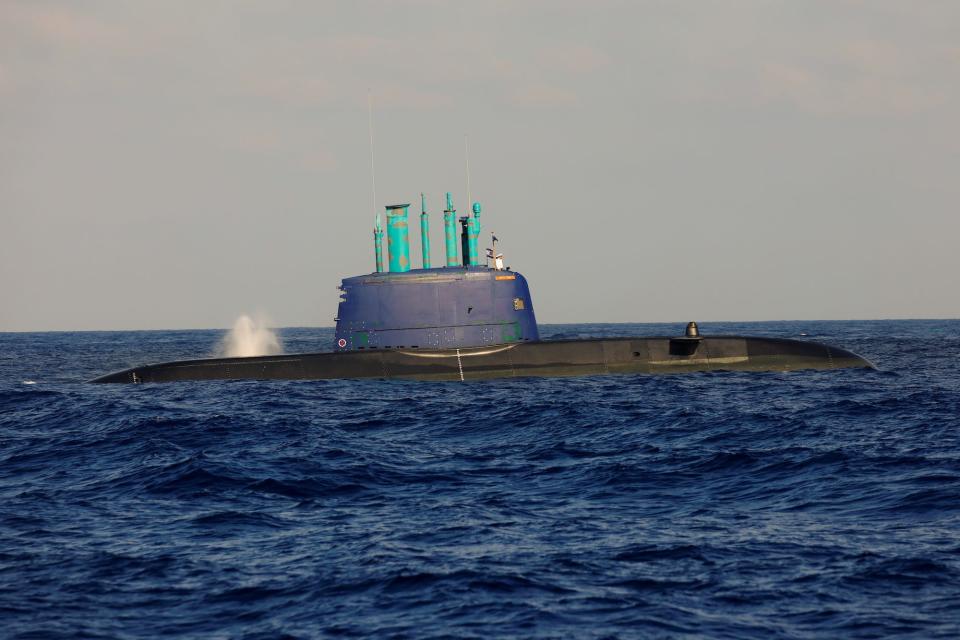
468 320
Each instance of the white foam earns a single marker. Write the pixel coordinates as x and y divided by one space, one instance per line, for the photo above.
29 382
249 338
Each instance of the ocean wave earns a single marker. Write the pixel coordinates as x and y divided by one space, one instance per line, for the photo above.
724 504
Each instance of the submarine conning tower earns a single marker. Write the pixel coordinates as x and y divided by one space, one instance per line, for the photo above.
463 304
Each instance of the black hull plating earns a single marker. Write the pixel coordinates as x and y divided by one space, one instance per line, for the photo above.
547 358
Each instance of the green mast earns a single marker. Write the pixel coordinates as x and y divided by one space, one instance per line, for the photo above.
450 231
398 237
378 245
468 237
475 235
424 232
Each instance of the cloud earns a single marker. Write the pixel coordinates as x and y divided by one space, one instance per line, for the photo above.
61 26
543 95
299 89
574 59
319 160
339 70
266 140
6 80
357 46
406 97
843 75
865 77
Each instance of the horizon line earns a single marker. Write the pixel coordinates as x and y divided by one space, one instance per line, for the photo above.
699 322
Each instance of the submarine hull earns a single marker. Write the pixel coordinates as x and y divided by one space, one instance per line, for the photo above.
542 358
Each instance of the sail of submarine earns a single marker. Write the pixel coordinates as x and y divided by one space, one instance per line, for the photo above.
472 321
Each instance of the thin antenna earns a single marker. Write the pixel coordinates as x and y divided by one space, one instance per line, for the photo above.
373 167
466 157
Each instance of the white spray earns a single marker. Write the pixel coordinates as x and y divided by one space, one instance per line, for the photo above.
250 337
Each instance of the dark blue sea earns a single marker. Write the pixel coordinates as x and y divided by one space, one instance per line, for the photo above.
719 505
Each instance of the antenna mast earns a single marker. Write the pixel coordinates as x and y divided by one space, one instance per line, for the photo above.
466 158
377 230
373 167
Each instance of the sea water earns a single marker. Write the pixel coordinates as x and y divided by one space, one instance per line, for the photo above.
818 504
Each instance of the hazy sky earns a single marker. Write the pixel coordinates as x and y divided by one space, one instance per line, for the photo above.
173 164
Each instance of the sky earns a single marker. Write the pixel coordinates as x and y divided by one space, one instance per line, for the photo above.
175 164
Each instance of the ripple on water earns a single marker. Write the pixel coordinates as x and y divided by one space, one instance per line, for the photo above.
810 504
